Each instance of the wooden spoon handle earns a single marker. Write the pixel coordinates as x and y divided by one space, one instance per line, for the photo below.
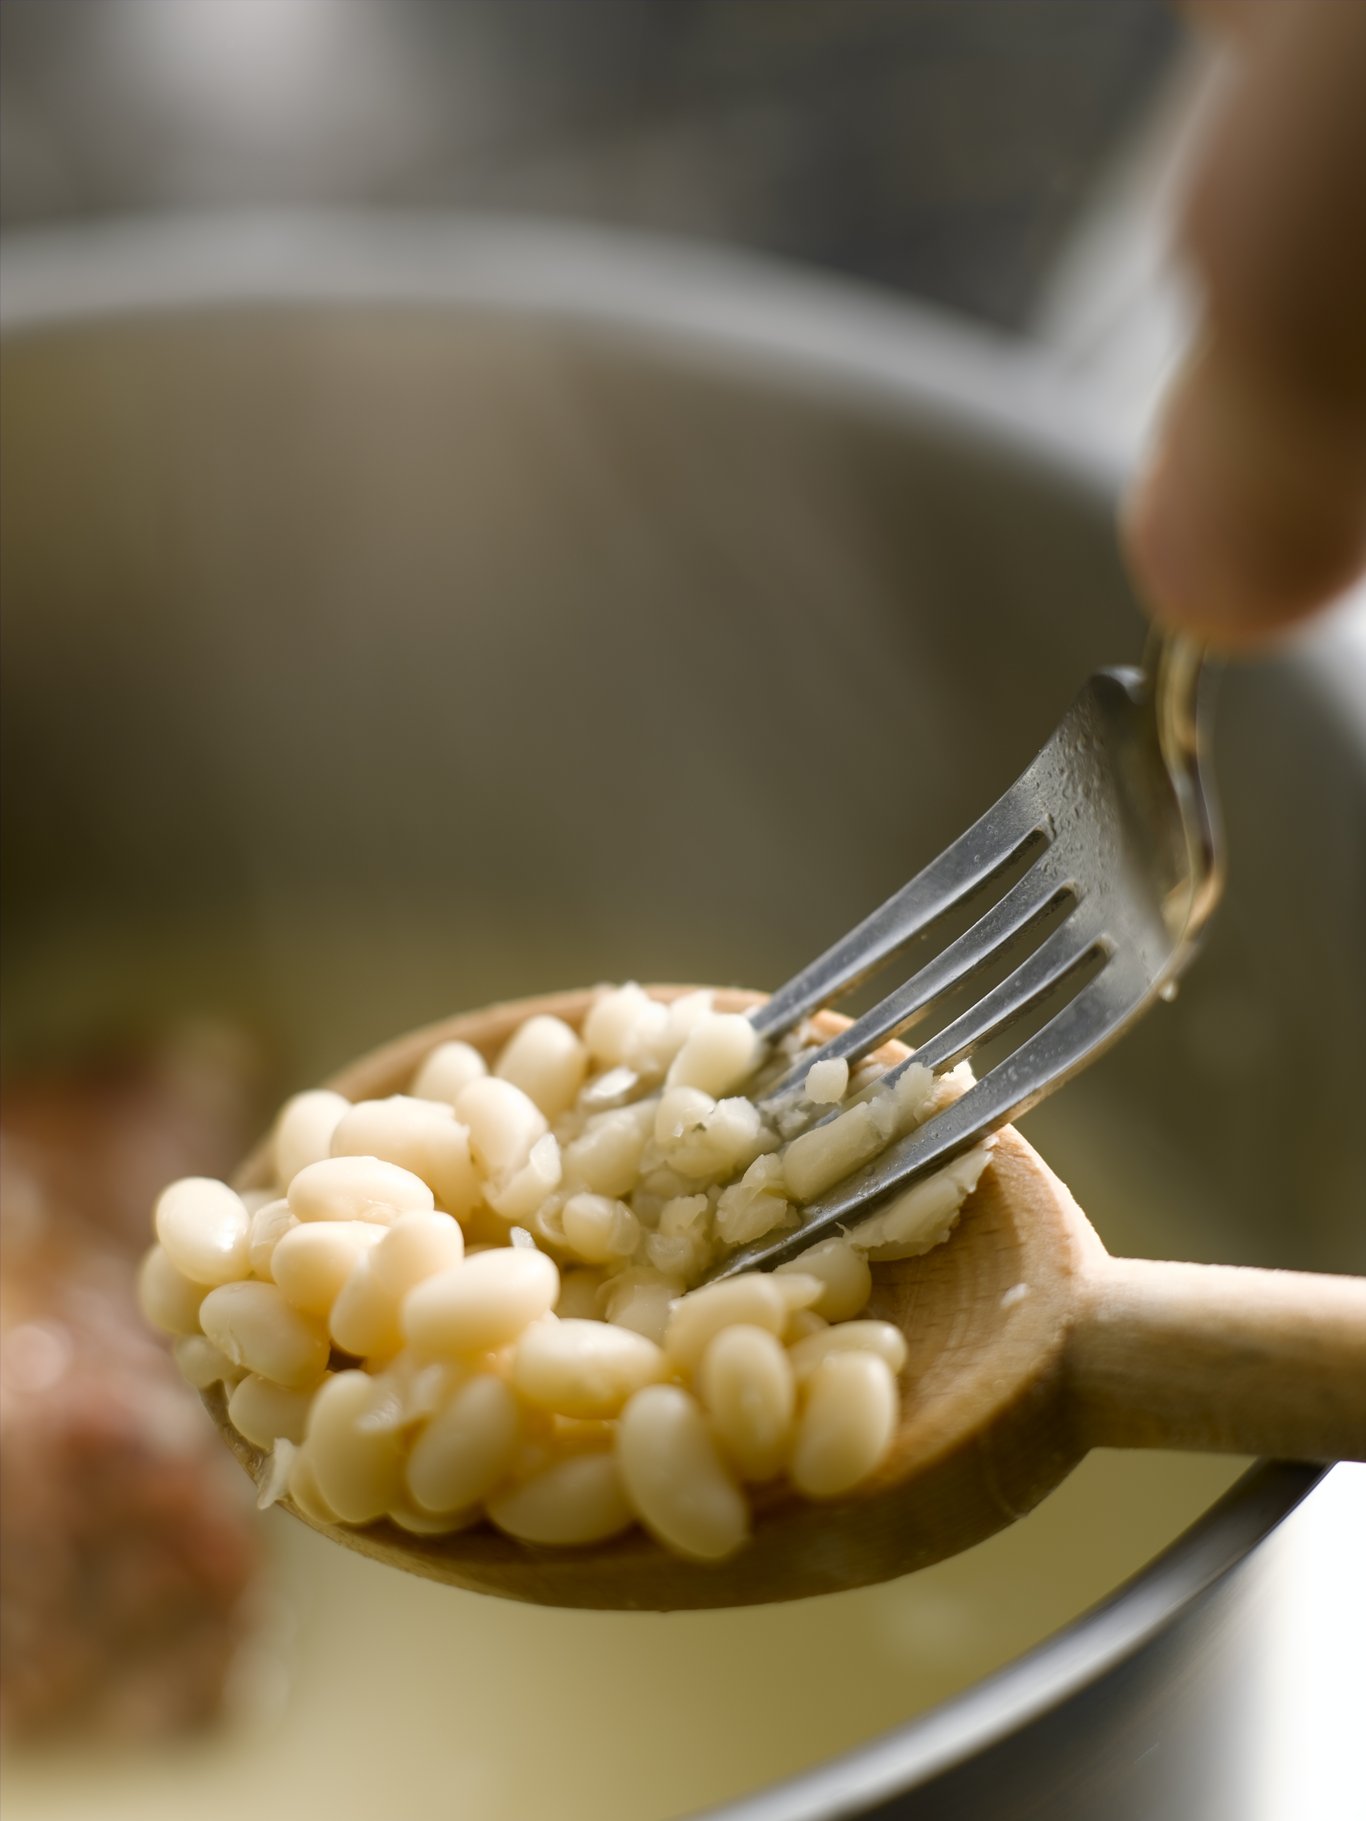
1224 1358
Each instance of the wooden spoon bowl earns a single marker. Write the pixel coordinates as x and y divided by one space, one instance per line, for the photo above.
1028 1345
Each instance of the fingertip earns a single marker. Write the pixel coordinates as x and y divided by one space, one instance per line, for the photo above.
1250 513
1191 576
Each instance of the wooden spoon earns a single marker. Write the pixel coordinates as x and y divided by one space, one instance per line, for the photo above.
1028 1345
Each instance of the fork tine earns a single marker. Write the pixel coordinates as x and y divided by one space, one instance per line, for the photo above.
1042 973
1123 775
1010 826
1026 901
1057 1051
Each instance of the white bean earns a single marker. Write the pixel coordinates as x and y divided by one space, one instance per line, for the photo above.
695 1318
302 1487
686 1013
303 1131
746 1385
605 1157
314 1259
916 1090
201 1364
204 1226
574 1501
680 1245
358 1470
482 1304
613 1088
881 1337
263 1412
923 1216
801 1323
365 1317
269 1224
448 1069
503 1124
685 1214
827 1153
598 1228
846 1426
846 1281
641 1300
718 1054
674 1476
729 1138
547 1061
418 1135
613 1019
167 1298
682 1109
655 1040
415 1248
681 1255
520 1196
584 1368
414 1390
467 1448
755 1205
546 1226
799 1290
255 1327
827 1082
357 1188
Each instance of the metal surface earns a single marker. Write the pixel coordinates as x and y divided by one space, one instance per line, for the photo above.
1116 822
819 131
618 486
1143 1710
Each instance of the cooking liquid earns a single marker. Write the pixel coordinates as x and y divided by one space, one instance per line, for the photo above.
409 1698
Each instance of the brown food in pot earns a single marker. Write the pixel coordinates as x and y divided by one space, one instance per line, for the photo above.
127 1551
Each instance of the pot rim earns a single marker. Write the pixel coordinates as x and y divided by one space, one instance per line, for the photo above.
759 314
658 290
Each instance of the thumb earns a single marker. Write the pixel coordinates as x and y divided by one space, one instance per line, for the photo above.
1253 510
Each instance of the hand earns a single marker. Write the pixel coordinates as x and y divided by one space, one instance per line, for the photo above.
1252 511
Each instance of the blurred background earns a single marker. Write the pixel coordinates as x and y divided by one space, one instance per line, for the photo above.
1007 164
942 148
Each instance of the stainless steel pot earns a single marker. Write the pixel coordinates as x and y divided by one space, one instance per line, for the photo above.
616 609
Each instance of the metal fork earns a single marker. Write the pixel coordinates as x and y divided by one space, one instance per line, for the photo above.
1118 828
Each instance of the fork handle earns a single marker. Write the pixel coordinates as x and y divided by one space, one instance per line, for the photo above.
1221 1358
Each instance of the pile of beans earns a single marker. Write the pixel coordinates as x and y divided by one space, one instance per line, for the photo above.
478 1302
